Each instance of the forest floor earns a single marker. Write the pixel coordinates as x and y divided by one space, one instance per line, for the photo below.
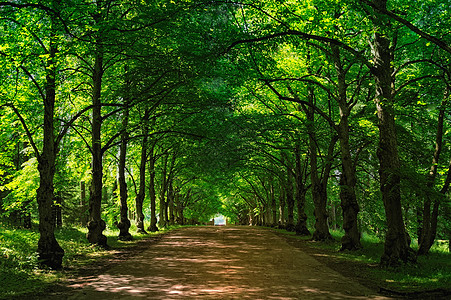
216 263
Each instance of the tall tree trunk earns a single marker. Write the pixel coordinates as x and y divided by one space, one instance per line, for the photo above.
429 228
178 209
435 210
163 204
139 200
397 242
333 216
57 210
152 194
349 204
268 215
321 216
251 216
162 222
319 191
282 205
290 200
260 215
273 204
95 223
83 214
301 225
180 212
49 251
124 223
171 193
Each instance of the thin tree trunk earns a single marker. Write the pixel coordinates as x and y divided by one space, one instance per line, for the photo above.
124 223
268 216
83 212
170 191
273 205
57 210
139 200
153 197
163 204
282 205
301 226
290 200
429 228
178 209
333 216
181 217
251 216
171 203
435 210
162 223
95 223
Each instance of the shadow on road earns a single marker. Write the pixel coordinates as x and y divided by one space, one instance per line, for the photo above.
219 263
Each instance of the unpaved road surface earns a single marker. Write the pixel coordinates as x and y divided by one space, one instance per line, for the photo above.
219 263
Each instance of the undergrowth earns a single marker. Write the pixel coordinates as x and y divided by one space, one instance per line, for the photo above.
19 272
430 272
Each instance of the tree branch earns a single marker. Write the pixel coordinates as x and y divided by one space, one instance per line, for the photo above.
441 44
24 125
305 36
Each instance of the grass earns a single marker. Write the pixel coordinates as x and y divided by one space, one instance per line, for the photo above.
19 272
430 272
18 262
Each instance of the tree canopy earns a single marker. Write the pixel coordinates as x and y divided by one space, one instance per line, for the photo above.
304 115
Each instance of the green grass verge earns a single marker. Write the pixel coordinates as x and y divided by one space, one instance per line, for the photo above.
19 272
431 271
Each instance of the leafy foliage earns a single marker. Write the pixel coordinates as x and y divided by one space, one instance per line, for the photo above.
232 103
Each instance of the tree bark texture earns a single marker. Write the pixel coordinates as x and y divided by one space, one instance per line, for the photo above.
301 225
124 223
282 205
83 206
152 194
397 243
290 200
171 194
273 203
349 204
95 223
429 225
163 204
57 210
50 253
319 193
139 200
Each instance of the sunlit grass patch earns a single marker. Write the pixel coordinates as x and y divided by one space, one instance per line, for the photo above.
17 248
427 274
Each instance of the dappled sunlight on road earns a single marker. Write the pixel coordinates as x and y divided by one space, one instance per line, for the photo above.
220 263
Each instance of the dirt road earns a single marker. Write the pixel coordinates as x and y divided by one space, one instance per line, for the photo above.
220 263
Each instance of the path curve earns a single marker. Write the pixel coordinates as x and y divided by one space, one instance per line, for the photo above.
220 263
